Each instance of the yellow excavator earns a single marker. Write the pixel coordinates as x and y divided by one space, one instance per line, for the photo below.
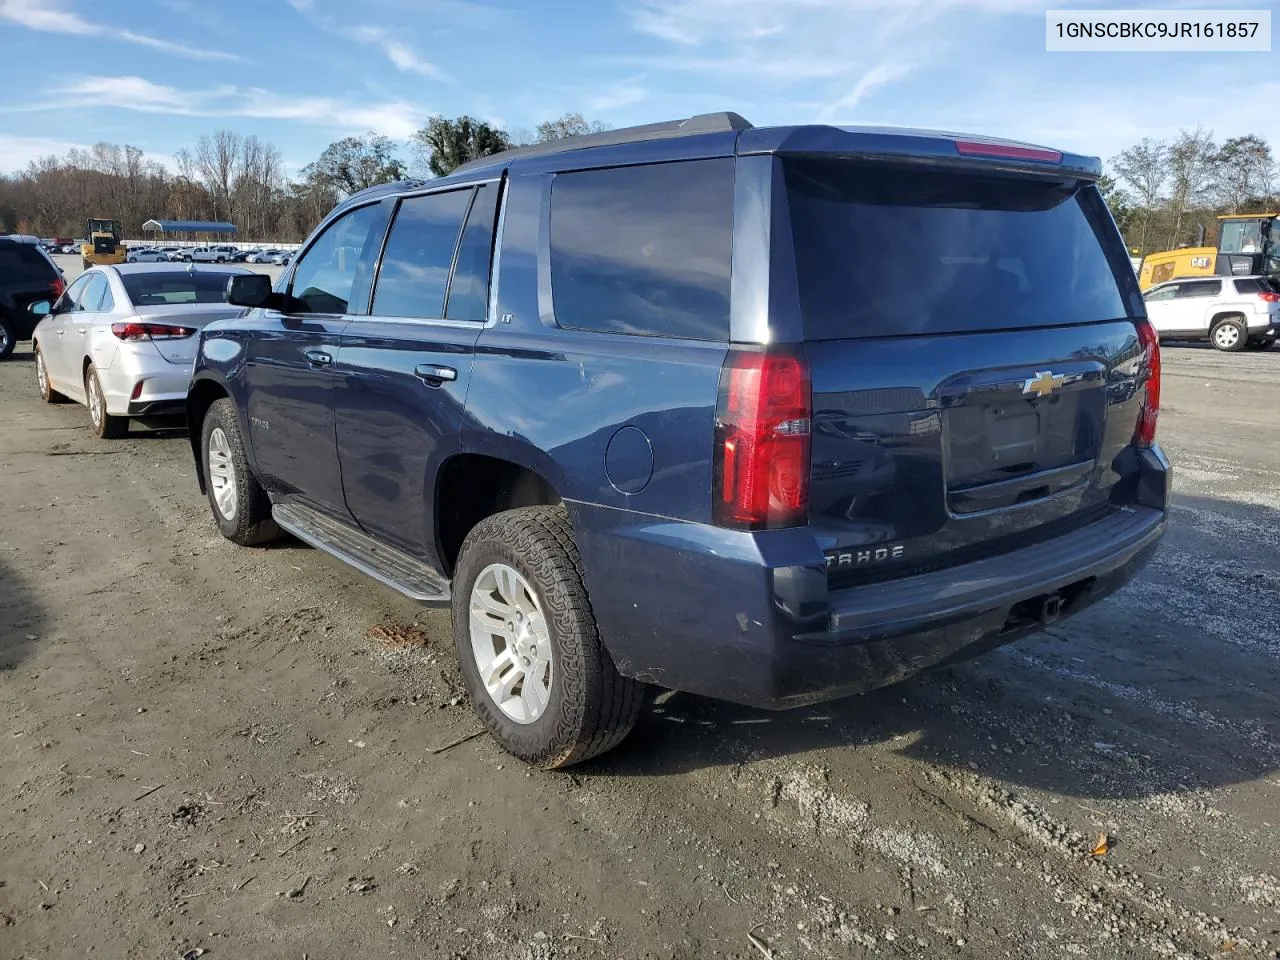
102 244
1248 244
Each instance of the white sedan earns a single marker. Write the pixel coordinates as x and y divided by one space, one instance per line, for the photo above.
146 255
121 340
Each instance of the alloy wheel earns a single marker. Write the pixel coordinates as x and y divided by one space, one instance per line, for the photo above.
511 643
222 477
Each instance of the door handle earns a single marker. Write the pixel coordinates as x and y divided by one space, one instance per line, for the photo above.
318 358
434 375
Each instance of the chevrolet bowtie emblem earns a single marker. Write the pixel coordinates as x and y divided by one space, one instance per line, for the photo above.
1043 384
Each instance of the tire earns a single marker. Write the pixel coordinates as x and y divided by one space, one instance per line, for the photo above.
1261 343
589 708
104 425
8 338
47 393
245 517
1229 335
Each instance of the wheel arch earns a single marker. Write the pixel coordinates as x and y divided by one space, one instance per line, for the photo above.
1224 315
201 395
473 486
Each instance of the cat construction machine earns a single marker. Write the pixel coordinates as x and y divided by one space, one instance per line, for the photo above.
102 245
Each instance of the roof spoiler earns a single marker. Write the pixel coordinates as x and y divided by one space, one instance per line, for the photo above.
724 122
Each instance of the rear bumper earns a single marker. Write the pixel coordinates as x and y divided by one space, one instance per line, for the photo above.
163 389
749 618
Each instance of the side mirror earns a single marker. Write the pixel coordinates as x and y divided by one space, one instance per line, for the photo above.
41 308
253 290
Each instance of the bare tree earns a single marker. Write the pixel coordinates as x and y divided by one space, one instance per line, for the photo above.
1191 170
217 160
1144 168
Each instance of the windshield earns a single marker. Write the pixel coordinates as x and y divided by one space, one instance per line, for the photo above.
161 289
1240 236
883 251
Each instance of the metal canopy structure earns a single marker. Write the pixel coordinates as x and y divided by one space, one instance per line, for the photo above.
210 227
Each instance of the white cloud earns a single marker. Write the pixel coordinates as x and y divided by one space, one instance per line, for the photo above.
402 56
18 151
396 119
615 97
878 76
46 17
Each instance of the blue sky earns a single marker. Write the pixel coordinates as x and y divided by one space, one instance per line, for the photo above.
301 73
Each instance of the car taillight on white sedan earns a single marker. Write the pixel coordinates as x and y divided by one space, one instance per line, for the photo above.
150 331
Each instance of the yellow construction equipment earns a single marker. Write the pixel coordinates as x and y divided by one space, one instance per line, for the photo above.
102 245
1248 244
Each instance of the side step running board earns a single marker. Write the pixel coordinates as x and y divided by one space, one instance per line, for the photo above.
393 567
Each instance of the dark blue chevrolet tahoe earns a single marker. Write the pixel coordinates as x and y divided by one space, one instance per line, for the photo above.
769 415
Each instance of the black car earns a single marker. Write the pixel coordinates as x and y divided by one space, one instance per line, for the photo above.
26 275
773 415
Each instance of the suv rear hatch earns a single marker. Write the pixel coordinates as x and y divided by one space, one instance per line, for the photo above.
975 368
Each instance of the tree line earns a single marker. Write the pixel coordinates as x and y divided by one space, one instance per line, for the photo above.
227 176
1163 193
1168 193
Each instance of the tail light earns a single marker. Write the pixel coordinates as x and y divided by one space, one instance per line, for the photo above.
762 441
1145 433
56 286
149 331
1007 151
1269 297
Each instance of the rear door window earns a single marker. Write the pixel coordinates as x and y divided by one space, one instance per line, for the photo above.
414 273
644 250
469 288
885 252
22 263
1194 289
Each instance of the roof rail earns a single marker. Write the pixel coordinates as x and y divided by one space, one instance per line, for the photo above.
725 122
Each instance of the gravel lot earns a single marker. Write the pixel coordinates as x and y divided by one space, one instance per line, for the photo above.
207 746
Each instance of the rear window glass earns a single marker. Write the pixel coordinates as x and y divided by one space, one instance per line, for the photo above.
160 289
1256 285
23 263
883 252
644 250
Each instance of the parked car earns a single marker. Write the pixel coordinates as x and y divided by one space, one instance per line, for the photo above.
282 258
1232 313
263 256
220 254
69 248
171 253
121 339
768 415
146 255
27 274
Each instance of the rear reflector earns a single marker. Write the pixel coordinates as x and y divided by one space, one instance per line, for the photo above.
1008 151
137 390
1144 435
761 460
150 331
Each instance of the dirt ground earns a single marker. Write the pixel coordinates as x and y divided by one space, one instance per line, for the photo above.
256 753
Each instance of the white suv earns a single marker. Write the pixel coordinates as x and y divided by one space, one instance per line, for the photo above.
1232 313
